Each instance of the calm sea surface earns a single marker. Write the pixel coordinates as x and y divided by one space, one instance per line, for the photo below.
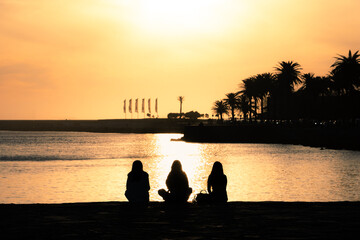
57 167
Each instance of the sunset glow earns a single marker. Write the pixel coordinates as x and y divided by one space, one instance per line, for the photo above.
80 59
182 18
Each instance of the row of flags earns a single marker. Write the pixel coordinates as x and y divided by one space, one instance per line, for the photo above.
142 105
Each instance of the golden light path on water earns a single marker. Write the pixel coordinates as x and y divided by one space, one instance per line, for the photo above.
257 172
189 154
93 167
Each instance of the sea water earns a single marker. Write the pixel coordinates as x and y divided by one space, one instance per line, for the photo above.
59 167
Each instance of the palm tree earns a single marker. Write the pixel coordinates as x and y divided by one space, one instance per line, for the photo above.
314 86
325 85
308 94
287 76
244 105
220 107
311 95
309 84
346 72
181 99
250 91
263 83
232 101
346 81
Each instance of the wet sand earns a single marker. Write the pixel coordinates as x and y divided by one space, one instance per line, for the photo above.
235 220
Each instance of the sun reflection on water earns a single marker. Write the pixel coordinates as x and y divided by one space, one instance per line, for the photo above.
168 151
54 167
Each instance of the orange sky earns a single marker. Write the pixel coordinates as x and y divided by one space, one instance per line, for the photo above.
79 59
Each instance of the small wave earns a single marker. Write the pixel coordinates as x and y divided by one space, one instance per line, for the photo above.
39 158
67 158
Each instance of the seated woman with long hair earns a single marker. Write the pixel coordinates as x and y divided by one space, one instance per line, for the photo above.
137 184
216 184
178 185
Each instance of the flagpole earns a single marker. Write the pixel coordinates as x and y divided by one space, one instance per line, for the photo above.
130 107
137 107
143 106
156 107
124 109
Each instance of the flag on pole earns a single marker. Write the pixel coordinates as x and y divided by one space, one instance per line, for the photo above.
130 105
149 105
156 105
136 105
143 105
125 106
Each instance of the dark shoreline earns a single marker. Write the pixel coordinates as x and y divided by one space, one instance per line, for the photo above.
103 125
204 131
332 137
235 220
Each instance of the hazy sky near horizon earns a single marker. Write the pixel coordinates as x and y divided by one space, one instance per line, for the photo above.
79 59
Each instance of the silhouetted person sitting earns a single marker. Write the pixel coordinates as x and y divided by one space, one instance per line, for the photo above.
137 184
216 184
178 185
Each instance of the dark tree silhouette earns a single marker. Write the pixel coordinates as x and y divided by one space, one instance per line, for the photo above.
193 115
346 82
264 84
287 76
244 105
346 73
332 97
220 107
258 89
231 101
309 94
310 84
251 93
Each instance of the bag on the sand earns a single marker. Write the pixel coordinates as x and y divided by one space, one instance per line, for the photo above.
202 197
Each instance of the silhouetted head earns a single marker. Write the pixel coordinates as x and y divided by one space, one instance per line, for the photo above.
137 166
217 169
136 171
176 166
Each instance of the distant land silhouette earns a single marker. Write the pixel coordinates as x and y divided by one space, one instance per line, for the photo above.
322 134
334 137
109 125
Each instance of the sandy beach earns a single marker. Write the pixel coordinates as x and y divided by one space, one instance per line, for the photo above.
235 220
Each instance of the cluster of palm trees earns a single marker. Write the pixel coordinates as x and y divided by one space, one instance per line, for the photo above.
287 94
